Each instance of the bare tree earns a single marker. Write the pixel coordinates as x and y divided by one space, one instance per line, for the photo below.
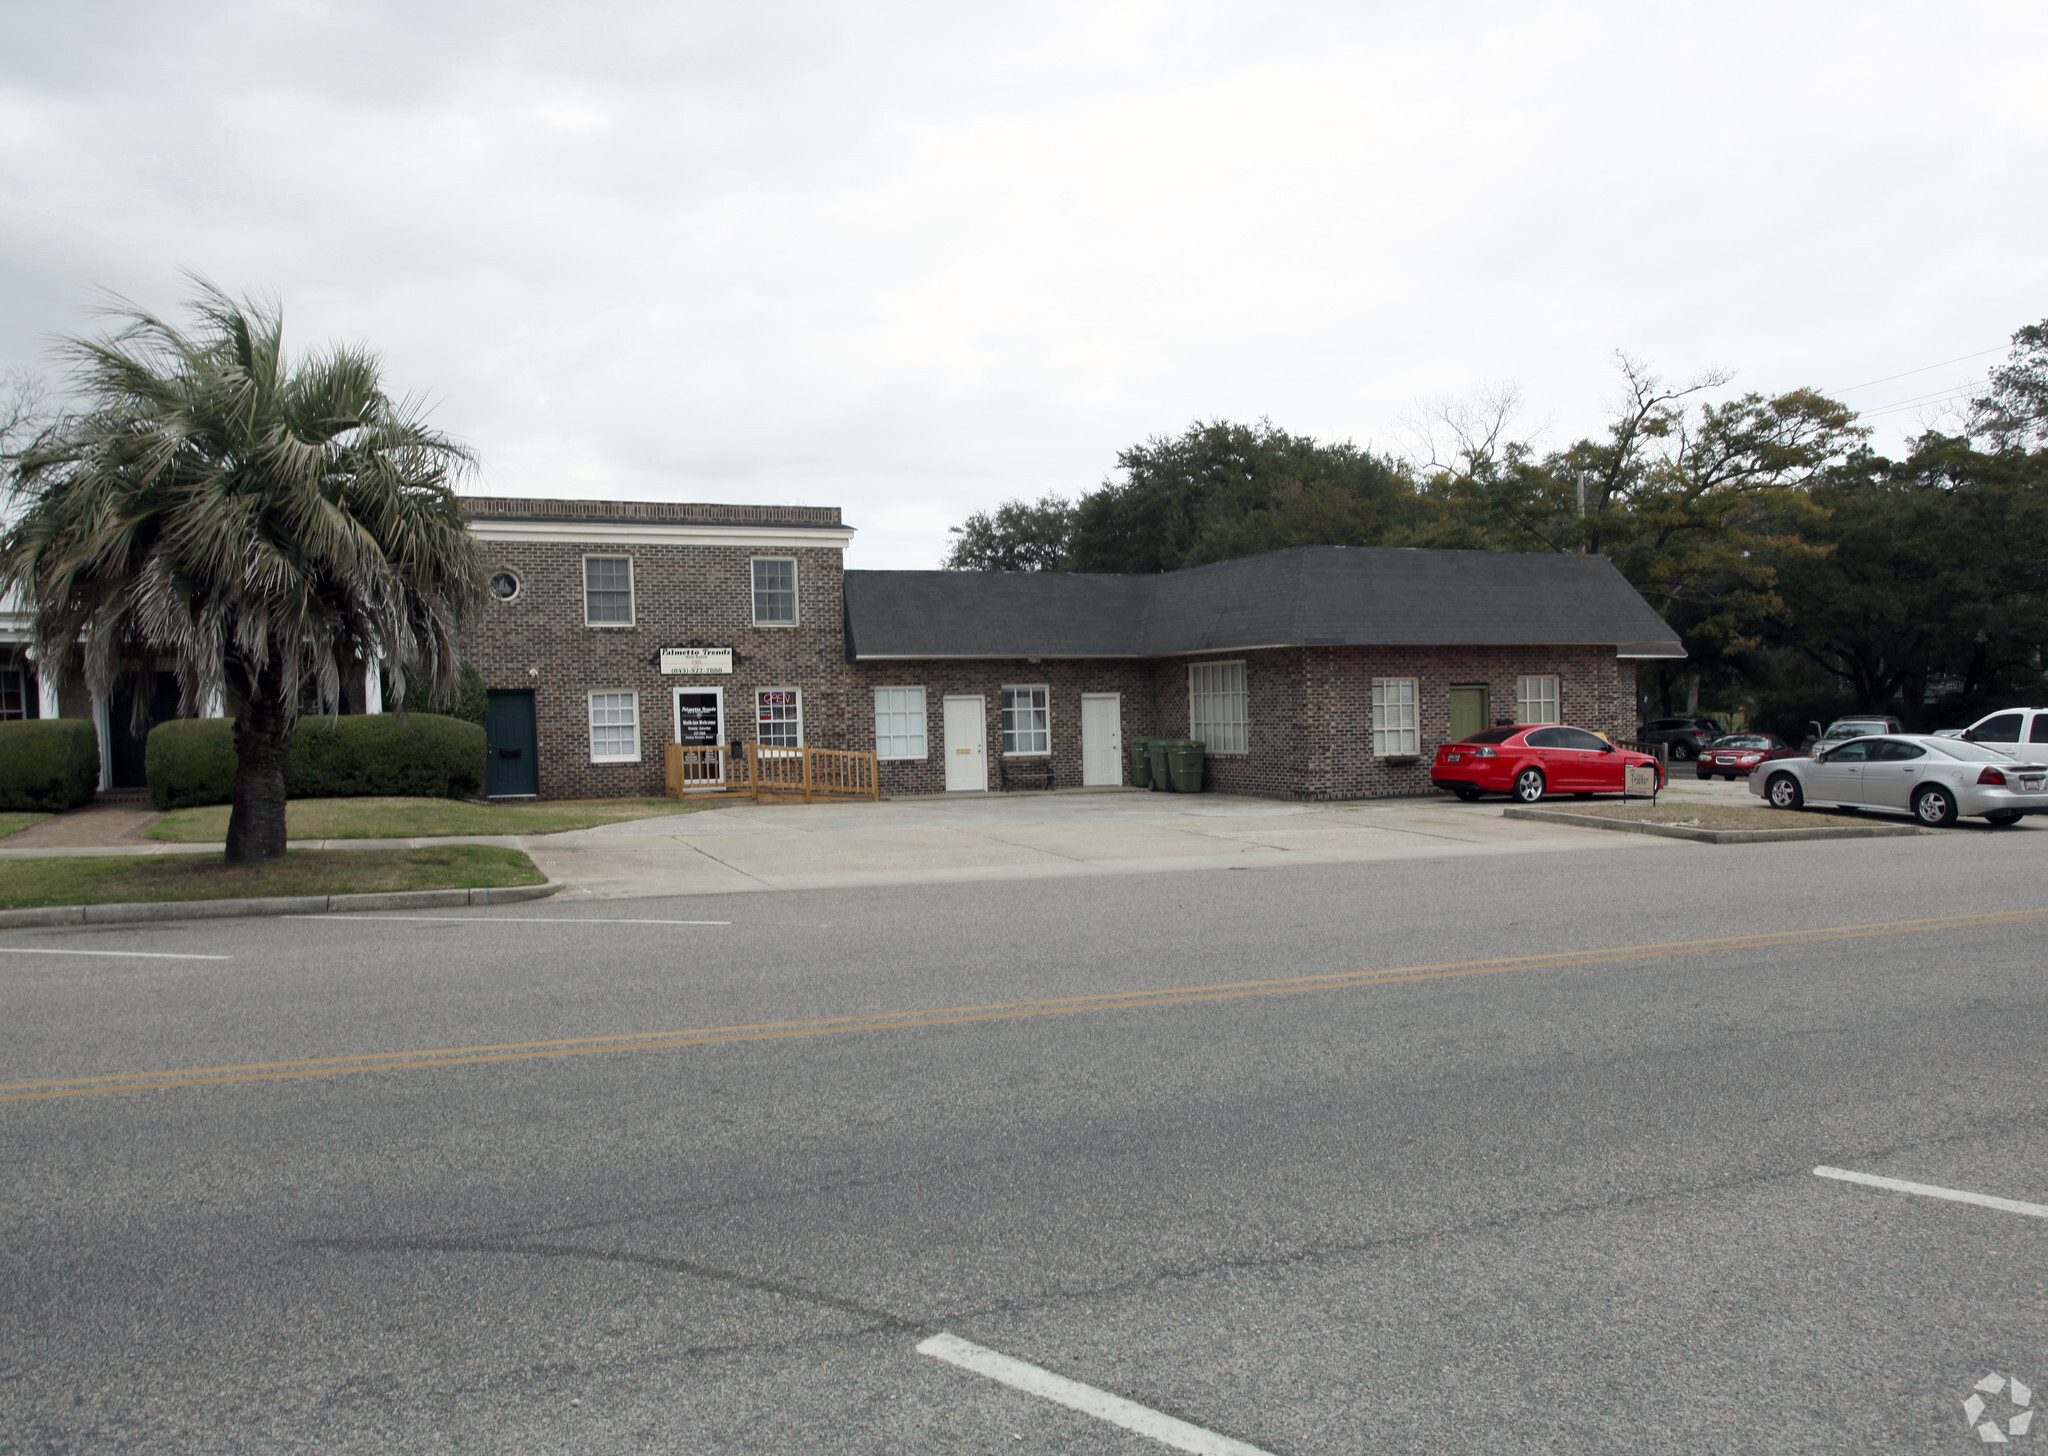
24 410
1464 435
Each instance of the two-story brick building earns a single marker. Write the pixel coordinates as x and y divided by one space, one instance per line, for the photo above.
1316 673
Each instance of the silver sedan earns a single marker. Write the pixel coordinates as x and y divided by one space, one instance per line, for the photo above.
1936 780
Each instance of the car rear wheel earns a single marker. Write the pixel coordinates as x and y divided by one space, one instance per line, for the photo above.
1683 752
2003 817
1529 785
1935 807
1784 793
1468 795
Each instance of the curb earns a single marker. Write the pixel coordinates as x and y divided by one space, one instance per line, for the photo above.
1712 836
279 905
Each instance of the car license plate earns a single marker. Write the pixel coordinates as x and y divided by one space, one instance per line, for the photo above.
1453 757
2030 783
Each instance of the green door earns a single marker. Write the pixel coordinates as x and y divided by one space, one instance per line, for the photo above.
511 747
1468 711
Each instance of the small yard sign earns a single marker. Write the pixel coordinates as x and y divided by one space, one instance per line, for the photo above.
1639 781
678 660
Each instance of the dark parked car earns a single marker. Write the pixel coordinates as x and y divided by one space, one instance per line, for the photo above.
1683 737
1737 755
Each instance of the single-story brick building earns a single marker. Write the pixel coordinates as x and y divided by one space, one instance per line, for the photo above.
1320 672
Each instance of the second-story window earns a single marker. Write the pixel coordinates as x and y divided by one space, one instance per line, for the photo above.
774 591
608 591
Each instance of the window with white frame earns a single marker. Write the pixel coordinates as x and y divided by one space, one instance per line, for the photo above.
1536 700
899 723
774 591
1396 728
1216 706
1027 720
779 718
608 591
614 727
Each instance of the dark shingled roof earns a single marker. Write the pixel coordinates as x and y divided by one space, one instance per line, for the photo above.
1310 596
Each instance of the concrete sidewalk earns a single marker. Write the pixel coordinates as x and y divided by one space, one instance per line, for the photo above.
1027 836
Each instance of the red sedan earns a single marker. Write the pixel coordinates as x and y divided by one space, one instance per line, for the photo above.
1734 756
1529 760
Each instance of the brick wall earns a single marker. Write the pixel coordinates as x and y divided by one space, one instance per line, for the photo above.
1068 680
1309 709
683 596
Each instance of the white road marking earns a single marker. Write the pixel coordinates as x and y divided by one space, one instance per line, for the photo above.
514 919
1138 1419
142 955
1928 1190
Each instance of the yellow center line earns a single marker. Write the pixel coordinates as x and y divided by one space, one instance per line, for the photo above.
336 1066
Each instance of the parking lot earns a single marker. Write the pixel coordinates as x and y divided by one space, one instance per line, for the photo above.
984 837
1479 1150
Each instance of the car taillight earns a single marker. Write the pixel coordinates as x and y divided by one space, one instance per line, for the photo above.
1484 752
1991 776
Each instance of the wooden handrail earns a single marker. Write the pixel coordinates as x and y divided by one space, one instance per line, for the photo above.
812 773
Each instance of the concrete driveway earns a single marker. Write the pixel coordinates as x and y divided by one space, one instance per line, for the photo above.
1027 836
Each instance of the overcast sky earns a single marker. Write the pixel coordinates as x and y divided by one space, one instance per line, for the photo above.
913 260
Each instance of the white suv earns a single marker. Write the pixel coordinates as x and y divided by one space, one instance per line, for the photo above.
2009 725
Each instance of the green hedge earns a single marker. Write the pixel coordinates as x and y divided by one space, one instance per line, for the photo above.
468 701
191 761
48 764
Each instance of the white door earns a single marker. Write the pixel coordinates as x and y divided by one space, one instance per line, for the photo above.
966 745
1102 740
700 723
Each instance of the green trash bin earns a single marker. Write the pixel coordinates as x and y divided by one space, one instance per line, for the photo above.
1162 773
1184 759
1141 762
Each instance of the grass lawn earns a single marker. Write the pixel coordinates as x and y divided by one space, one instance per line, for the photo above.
14 823
418 818
116 879
1721 816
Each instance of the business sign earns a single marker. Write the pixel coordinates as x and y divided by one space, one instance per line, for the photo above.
678 660
1639 780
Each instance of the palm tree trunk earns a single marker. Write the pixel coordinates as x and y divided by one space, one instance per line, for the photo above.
263 733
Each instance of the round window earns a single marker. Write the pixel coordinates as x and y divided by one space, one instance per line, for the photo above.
504 586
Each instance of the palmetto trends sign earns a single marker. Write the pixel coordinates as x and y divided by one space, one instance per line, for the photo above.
677 661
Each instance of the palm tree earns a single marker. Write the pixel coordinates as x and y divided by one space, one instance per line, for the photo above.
261 524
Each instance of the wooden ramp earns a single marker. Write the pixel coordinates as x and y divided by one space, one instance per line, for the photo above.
770 775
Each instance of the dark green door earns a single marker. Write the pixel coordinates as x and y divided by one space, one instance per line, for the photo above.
1468 711
511 747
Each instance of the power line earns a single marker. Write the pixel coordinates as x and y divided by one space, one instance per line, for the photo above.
1917 404
1945 392
1921 370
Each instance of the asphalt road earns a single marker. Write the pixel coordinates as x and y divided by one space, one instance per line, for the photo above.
1441 1202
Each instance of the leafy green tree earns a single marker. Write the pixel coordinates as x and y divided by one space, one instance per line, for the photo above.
1217 491
1923 578
1694 501
260 523
1020 536
1221 490
2014 414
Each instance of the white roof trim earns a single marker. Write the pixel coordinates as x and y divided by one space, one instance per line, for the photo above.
659 533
